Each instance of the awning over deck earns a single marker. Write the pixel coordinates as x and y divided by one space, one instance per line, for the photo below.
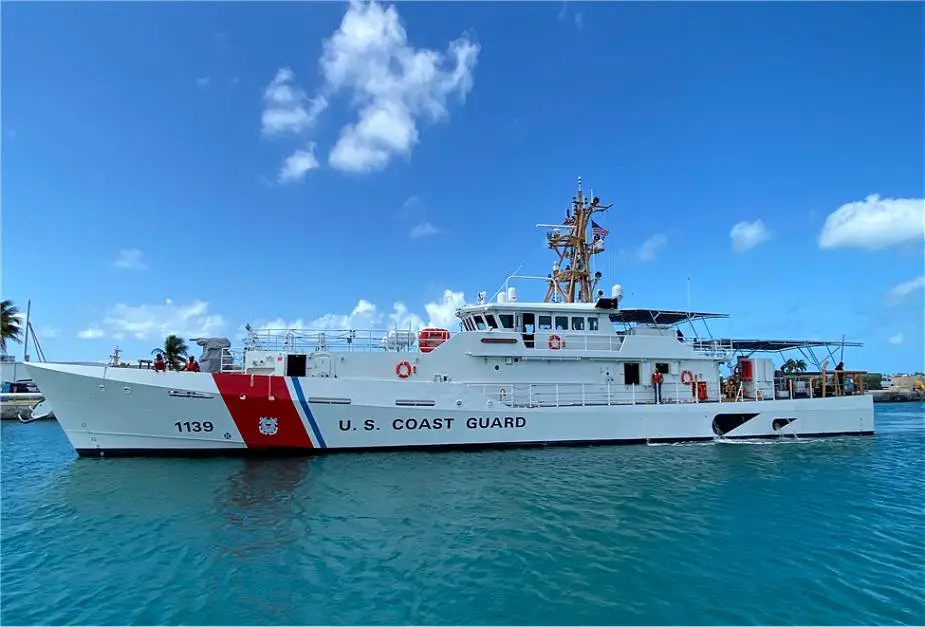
660 316
773 346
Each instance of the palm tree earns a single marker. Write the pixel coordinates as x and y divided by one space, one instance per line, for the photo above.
10 324
174 352
793 366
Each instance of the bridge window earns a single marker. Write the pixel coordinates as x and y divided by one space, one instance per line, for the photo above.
592 323
480 323
491 321
561 323
578 323
507 320
467 324
545 323
529 322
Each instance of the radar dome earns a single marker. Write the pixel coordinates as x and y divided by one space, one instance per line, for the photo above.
616 292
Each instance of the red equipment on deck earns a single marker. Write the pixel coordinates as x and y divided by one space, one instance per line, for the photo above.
431 338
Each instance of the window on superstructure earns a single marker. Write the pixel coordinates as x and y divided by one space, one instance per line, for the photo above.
631 374
561 323
480 323
529 322
662 367
592 323
507 320
578 323
545 323
467 324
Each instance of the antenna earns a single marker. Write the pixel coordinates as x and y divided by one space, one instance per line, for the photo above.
506 282
572 279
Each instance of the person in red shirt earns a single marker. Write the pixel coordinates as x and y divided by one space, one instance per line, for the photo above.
657 380
159 364
192 365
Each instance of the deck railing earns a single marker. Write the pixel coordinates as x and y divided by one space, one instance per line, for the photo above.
369 340
349 340
584 394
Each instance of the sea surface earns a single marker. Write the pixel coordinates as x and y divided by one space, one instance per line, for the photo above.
824 532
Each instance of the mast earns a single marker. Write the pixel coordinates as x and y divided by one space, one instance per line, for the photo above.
571 280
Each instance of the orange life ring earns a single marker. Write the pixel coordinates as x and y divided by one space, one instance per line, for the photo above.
404 369
554 342
687 377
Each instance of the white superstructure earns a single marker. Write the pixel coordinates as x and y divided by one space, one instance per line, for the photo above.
574 368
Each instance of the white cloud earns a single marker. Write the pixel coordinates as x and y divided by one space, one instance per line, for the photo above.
423 230
443 312
131 258
650 247
298 164
392 84
155 322
203 82
579 20
898 292
747 235
286 107
896 339
49 332
367 316
412 207
874 223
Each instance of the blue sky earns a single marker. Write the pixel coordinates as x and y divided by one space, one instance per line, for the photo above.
189 167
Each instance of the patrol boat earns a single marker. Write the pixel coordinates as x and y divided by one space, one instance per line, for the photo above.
576 368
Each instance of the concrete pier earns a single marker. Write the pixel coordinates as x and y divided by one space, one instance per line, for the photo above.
19 405
897 396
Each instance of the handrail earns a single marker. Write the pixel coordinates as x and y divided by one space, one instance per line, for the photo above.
310 340
587 394
305 340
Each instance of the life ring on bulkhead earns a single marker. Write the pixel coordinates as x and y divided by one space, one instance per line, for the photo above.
404 369
554 342
687 377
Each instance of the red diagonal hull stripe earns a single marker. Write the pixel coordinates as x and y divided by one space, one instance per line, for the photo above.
256 404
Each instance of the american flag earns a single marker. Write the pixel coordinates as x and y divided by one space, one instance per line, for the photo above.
597 229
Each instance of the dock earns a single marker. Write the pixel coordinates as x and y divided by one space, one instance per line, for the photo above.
897 396
19 405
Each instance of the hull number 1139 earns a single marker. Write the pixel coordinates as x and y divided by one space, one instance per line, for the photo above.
193 426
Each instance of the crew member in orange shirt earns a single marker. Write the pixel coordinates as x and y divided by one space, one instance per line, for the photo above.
657 384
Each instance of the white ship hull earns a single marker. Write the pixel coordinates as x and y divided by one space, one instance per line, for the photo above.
112 411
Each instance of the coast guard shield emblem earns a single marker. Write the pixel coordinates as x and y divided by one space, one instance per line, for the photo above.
268 426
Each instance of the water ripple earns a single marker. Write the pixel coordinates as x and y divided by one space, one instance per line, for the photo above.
791 532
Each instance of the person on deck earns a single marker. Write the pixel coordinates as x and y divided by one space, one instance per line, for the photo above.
839 381
159 364
192 365
657 380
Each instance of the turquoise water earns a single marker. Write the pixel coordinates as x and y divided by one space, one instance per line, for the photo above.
817 532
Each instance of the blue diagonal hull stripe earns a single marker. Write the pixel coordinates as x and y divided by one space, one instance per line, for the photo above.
308 412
